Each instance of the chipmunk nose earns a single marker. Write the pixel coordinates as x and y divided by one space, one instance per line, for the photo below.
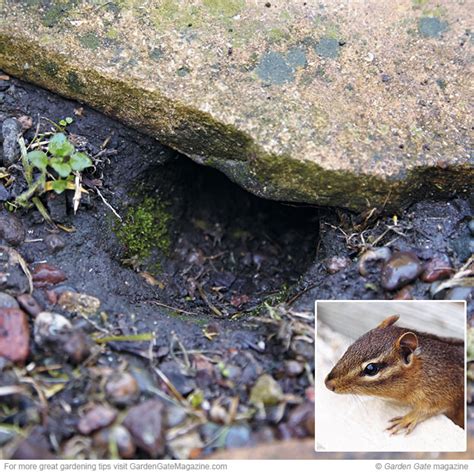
329 381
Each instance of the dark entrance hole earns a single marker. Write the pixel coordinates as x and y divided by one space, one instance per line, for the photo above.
211 245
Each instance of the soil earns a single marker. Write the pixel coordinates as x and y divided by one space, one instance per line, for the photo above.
226 282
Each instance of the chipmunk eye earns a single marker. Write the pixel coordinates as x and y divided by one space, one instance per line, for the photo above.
371 369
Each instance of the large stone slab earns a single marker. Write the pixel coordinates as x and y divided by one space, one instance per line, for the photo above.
355 104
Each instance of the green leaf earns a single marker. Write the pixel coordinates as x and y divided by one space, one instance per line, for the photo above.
69 120
63 169
59 185
63 123
59 145
80 161
38 159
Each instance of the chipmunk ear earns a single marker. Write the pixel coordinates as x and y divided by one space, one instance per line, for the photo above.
408 344
389 321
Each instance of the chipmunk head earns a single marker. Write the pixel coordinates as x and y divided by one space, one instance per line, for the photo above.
377 363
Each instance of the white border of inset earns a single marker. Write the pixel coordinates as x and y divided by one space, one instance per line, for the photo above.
397 302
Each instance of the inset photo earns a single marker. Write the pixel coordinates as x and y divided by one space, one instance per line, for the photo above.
390 376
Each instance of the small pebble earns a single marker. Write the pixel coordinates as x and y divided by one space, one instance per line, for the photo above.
45 274
184 384
122 438
54 243
11 130
293 368
301 420
8 302
122 389
266 391
29 304
373 255
186 446
26 122
238 436
79 303
14 335
96 418
146 425
403 294
460 293
77 346
4 193
471 227
50 327
12 277
11 229
438 268
402 268
336 264
175 415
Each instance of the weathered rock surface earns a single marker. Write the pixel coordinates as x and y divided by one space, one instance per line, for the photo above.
355 104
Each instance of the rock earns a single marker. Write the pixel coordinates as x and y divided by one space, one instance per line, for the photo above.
293 109
184 384
11 130
187 446
54 243
13 279
301 420
373 255
336 264
26 122
122 389
463 246
50 328
45 274
79 303
238 436
402 268
266 391
438 268
11 229
34 447
29 304
460 293
471 227
4 193
14 335
118 435
404 294
96 418
8 302
145 424
77 346
293 368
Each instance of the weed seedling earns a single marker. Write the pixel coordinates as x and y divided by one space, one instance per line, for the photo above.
55 166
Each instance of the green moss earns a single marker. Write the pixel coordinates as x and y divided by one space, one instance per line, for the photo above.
112 33
74 83
145 228
51 68
90 40
226 8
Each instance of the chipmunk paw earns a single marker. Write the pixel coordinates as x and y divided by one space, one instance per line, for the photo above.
405 423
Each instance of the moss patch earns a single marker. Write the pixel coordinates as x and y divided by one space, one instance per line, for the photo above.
145 228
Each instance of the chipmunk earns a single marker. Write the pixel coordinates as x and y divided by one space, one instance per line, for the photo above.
417 369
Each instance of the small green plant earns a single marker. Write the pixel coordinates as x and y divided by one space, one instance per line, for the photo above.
58 164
